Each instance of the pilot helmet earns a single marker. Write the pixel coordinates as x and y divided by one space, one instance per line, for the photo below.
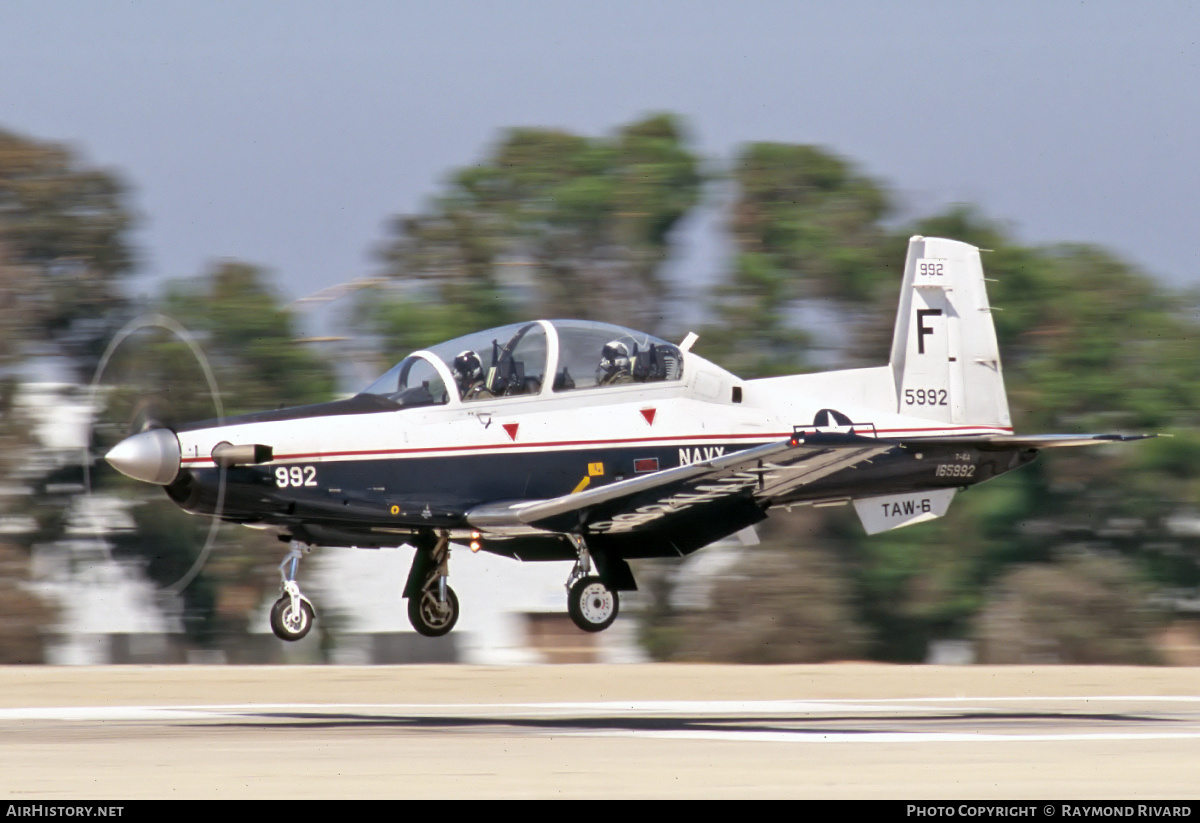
468 365
614 357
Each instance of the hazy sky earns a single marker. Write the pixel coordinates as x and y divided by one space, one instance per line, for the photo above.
286 133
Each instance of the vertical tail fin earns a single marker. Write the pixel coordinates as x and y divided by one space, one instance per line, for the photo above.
945 359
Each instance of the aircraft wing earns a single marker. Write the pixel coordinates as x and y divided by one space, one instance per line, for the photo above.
765 471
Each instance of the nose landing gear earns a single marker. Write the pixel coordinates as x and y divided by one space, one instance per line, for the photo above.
293 614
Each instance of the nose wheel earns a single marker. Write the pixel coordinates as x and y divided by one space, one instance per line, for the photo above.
292 615
291 622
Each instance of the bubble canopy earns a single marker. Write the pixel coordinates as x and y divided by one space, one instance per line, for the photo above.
515 360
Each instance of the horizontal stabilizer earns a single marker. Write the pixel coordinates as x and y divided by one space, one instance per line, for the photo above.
1054 441
1030 441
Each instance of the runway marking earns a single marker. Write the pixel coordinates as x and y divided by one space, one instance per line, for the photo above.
587 708
801 736
545 717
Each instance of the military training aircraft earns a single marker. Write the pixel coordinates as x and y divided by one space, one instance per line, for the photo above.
584 441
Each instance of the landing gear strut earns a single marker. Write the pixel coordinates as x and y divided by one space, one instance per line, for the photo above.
432 608
292 615
592 606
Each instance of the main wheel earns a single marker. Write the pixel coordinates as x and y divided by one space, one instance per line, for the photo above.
591 605
431 618
289 624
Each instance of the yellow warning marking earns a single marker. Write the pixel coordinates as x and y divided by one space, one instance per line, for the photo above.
395 509
583 484
595 469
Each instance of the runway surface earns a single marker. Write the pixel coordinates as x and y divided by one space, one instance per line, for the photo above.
645 731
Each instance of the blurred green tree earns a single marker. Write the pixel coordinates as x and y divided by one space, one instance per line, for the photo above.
806 225
251 339
551 225
63 250
63 253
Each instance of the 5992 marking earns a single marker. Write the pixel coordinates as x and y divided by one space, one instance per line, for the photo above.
926 397
293 476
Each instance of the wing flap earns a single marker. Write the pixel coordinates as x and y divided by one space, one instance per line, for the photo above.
778 478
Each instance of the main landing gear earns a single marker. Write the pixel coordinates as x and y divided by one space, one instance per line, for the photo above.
592 599
432 604
592 606
292 615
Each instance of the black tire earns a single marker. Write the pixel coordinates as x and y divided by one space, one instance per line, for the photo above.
592 606
431 618
289 626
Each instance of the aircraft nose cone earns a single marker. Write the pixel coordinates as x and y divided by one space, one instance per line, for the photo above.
152 456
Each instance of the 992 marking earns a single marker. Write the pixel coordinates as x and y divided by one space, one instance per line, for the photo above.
926 397
294 476
931 271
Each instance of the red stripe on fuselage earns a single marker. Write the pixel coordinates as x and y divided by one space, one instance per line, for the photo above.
663 441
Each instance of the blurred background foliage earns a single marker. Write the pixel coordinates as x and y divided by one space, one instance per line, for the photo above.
548 225
1082 557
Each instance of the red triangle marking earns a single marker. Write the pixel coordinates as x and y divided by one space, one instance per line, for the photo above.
511 428
649 415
